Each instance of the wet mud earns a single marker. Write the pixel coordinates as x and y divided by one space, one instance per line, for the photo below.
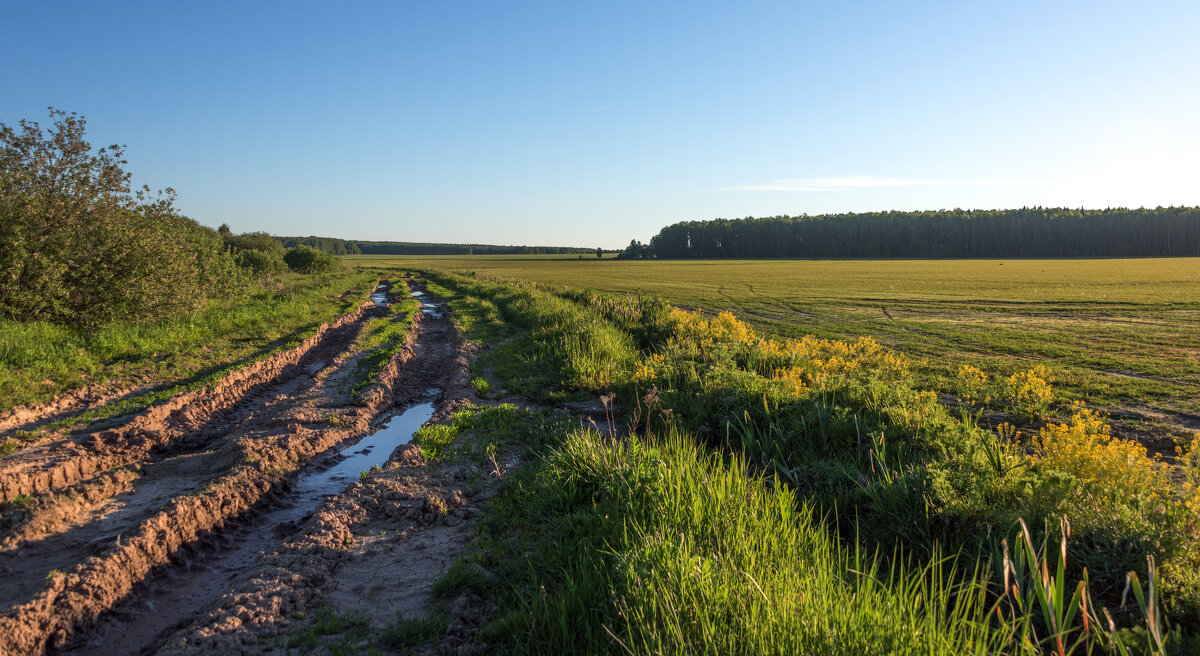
120 537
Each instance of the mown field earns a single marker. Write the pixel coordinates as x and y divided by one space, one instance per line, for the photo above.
1122 334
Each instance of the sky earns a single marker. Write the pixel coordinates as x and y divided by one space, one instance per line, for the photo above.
591 124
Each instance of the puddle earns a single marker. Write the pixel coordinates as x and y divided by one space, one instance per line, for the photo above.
133 627
379 296
416 294
371 450
432 309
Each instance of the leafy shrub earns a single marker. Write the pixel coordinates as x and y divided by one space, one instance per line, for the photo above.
306 259
261 263
78 247
255 241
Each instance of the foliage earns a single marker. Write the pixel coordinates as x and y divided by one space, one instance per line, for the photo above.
653 545
78 247
844 423
1025 232
260 264
1117 333
306 259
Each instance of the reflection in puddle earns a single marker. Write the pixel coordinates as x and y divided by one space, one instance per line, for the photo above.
131 628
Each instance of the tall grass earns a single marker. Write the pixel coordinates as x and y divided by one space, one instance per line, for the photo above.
844 426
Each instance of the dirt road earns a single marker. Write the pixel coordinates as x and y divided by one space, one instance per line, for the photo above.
205 521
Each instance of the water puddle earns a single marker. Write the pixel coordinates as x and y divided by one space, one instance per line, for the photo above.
176 597
379 297
368 452
416 294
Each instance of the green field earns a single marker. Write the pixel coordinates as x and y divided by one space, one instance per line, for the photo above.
1123 334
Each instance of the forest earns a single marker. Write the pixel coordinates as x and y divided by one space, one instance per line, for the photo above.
1025 232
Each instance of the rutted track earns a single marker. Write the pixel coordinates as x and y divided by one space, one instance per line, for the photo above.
187 421
205 461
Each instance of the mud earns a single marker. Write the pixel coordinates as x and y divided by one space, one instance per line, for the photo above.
207 471
63 406
373 550
189 421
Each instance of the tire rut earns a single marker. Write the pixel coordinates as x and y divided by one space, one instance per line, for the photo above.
187 422
250 435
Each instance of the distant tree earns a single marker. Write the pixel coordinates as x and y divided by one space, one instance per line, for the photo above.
599 252
633 251
223 230
306 259
79 247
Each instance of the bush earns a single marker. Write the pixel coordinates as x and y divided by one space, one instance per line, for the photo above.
306 259
261 263
255 241
77 247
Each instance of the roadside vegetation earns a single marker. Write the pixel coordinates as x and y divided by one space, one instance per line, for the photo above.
807 495
111 289
1117 334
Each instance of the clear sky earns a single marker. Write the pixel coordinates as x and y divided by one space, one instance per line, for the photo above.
591 123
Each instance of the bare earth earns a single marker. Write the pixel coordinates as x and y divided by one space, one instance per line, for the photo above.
188 527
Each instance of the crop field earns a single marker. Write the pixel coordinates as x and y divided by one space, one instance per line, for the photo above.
1122 334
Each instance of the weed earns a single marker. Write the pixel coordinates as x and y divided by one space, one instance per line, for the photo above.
481 386
408 632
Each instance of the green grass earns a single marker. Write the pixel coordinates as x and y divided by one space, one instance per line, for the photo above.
878 465
381 339
655 545
335 633
1120 333
39 360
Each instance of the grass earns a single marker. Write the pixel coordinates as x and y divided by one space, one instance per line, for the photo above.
40 360
841 433
1119 333
381 339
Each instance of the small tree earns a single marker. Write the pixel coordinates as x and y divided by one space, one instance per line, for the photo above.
599 252
306 259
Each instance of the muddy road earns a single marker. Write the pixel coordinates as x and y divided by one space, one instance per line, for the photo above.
144 535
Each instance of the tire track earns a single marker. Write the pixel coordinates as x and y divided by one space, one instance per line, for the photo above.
202 484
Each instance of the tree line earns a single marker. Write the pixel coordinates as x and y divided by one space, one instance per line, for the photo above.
1025 232
415 248
335 246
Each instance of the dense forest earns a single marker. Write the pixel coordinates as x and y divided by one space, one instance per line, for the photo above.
412 248
335 246
1025 232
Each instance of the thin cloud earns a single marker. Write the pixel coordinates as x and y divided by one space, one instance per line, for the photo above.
847 182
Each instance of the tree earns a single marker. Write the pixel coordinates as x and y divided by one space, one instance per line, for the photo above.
306 259
599 252
78 247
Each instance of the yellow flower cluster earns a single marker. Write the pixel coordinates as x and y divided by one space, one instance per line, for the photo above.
1029 391
1085 449
792 379
808 362
648 370
725 329
972 384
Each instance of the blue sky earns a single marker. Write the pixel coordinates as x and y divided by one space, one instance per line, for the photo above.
589 124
